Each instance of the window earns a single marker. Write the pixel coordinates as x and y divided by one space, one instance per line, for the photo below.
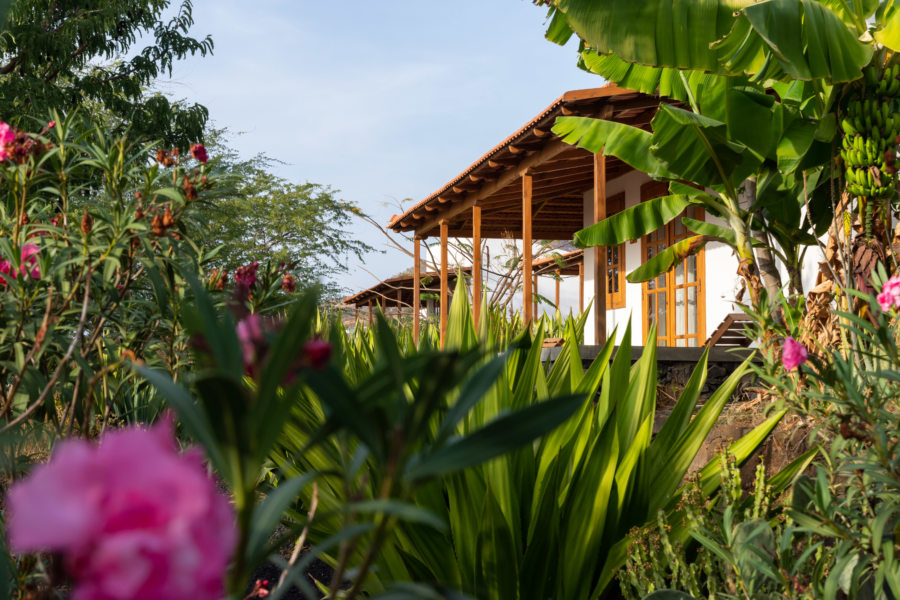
673 300
615 260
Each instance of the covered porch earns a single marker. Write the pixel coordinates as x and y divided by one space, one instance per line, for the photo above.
570 264
532 187
423 291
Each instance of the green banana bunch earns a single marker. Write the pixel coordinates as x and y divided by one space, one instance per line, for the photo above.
871 127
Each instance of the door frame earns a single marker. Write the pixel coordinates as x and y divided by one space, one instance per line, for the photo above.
655 189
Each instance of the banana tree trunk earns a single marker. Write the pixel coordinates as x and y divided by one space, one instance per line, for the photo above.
765 260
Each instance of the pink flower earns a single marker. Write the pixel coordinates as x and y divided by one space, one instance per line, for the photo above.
7 269
253 342
793 354
7 136
30 254
132 518
198 151
245 276
890 294
317 353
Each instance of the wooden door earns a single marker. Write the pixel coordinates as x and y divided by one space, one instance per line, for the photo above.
674 301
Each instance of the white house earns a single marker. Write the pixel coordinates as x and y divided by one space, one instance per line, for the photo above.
532 186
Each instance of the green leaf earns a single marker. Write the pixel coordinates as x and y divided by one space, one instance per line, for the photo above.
634 222
682 451
473 390
806 38
680 417
501 435
794 144
417 591
668 595
710 475
629 144
403 510
889 34
661 81
267 514
666 33
697 148
189 413
296 574
668 258
558 31
344 407
710 230
496 554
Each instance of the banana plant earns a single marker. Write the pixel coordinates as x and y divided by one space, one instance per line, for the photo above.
736 144
547 519
777 77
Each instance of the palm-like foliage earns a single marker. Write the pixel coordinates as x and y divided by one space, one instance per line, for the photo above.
548 519
765 83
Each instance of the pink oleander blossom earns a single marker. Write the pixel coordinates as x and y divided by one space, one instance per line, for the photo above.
253 341
245 276
198 151
7 269
317 353
7 136
793 354
30 255
132 518
890 294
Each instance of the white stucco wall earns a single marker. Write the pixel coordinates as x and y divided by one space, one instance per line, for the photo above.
720 282
719 285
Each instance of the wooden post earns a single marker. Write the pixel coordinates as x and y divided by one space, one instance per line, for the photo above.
356 322
444 290
526 248
417 276
581 286
476 263
557 289
399 304
534 287
370 313
599 251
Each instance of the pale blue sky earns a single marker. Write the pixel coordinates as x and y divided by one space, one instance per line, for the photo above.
381 100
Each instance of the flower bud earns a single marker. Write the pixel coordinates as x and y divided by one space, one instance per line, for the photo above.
87 223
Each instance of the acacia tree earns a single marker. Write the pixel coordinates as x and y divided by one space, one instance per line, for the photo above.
57 55
258 216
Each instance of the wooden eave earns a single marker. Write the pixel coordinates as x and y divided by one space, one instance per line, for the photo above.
387 290
562 264
562 174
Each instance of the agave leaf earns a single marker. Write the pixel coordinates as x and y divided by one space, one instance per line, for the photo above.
498 437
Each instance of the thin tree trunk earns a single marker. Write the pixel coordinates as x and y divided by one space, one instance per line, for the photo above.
765 260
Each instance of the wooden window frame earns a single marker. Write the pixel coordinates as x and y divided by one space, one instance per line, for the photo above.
655 189
614 204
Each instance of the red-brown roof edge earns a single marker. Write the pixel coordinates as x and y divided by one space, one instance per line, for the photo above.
610 89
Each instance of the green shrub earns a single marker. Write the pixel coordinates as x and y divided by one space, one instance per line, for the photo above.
549 519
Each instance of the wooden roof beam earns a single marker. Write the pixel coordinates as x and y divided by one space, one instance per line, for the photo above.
537 234
506 178
522 147
497 163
